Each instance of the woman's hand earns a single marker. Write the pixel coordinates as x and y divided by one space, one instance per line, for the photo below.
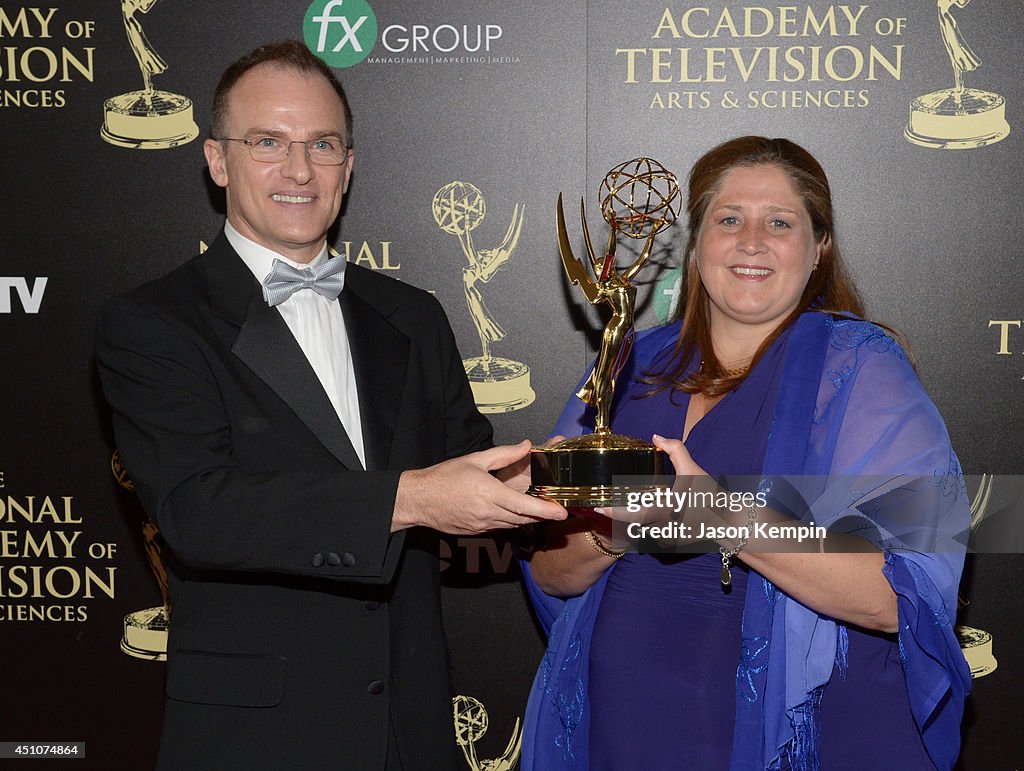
846 582
659 506
679 455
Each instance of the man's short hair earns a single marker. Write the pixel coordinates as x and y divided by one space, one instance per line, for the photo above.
290 54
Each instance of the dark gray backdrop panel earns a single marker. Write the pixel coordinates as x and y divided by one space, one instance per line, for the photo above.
931 236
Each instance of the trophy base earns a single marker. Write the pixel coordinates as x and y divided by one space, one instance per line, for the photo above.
595 470
148 120
145 634
948 120
499 385
976 645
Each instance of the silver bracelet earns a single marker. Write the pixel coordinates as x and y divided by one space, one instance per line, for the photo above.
728 554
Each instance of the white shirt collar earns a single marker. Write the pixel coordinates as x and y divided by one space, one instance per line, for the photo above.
260 259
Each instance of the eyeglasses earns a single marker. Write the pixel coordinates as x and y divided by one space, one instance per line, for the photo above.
324 151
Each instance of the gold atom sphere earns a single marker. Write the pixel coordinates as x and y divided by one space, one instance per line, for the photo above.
471 718
458 207
639 197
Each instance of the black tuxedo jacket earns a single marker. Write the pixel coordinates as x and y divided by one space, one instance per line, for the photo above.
300 624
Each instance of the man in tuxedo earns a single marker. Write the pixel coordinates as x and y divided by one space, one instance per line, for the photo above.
299 450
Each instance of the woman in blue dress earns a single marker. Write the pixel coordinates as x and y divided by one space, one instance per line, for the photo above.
840 657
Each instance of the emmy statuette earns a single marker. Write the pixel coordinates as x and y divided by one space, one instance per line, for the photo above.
499 384
471 723
957 118
149 119
145 631
638 199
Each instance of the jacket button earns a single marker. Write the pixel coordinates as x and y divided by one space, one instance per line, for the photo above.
372 605
333 559
318 560
375 687
348 560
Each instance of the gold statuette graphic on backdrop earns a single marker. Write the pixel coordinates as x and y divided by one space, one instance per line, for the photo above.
976 644
638 199
145 631
499 384
471 721
148 119
957 118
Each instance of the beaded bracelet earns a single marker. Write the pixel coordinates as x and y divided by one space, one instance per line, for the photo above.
728 554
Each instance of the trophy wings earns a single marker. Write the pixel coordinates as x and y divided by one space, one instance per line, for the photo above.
574 268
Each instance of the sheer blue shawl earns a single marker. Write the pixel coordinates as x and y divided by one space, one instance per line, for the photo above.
855 436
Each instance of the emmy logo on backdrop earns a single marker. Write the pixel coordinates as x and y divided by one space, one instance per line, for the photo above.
148 119
976 644
145 631
471 722
499 384
957 118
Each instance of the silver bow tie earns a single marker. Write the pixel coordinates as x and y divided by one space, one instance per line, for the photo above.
284 280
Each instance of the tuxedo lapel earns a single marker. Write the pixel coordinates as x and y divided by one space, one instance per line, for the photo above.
266 345
380 355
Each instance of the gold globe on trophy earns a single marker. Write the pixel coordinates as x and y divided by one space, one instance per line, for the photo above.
957 118
148 119
498 384
638 199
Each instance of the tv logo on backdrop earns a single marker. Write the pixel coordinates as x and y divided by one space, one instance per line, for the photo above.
28 299
345 32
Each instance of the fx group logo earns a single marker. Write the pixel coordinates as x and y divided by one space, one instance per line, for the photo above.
341 32
344 33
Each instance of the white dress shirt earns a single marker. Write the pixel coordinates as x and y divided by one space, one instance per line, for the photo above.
319 328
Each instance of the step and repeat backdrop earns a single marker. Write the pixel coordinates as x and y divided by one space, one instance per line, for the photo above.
471 116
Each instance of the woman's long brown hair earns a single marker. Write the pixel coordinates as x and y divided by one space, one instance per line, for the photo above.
830 288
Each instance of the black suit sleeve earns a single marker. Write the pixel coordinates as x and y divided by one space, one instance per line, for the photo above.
175 436
466 430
